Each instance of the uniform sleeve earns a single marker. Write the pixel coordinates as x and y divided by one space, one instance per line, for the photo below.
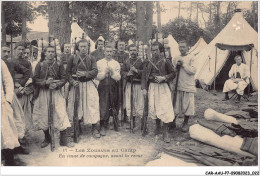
101 70
69 70
8 83
171 73
63 76
36 78
231 71
23 70
116 72
189 67
94 71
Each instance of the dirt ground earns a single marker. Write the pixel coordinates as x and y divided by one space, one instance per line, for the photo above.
120 148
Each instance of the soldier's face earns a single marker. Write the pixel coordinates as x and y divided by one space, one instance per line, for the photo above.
50 53
100 45
121 46
83 47
20 51
108 53
67 48
133 52
183 48
155 51
26 53
5 52
238 60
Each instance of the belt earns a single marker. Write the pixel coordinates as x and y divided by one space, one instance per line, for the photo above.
134 81
153 81
81 79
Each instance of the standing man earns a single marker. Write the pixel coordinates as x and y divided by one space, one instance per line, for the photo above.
186 89
132 68
9 133
18 113
155 77
239 75
66 54
24 93
108 75
121 56
99 52
50 76
82 69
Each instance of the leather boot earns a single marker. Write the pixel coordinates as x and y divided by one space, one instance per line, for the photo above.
102 128
226 97
47 139
66 139
158 127
185 126
166 137
95 132
172 125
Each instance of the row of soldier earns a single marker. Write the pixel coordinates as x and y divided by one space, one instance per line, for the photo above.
88 88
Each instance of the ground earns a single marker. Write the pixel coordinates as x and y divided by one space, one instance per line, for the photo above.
125 149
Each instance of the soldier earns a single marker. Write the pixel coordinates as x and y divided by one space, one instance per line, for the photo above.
186 86
66 54
50 76
132 68
109 75
18 113
82 69
156 74
121 56
24 93
99 52
9 132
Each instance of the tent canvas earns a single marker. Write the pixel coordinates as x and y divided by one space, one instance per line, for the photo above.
174 46
76 32
200 45
236 35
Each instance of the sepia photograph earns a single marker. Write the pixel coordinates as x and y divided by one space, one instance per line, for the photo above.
130 83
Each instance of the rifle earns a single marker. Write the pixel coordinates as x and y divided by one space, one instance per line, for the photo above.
51 121
112 104
176 84
145 112
131 105
75 114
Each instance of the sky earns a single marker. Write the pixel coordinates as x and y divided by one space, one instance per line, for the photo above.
171 12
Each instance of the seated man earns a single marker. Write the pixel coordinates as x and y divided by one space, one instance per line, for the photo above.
239 79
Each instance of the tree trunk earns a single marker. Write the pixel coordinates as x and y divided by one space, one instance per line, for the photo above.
210 15
190 10
218 16
59 20
12 51
140 20
197 13
148 21
3 25
228 11
158 16
179 10
24 12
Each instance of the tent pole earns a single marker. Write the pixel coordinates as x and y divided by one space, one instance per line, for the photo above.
250 73
215 68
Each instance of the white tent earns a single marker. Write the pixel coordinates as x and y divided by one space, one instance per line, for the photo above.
237 35
76 32
174 46
200 45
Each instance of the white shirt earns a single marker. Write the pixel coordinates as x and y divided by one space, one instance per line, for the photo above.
242 69
103 65
7 88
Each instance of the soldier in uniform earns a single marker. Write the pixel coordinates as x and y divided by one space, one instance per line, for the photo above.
50 76
132 68
108 75
18 113
82 69
66 54
121 56
156 74
99 52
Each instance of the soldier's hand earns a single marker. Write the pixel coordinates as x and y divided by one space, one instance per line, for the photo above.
53 86
49 81
144 92
159 79
81 73
134 69
75 83
130 73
